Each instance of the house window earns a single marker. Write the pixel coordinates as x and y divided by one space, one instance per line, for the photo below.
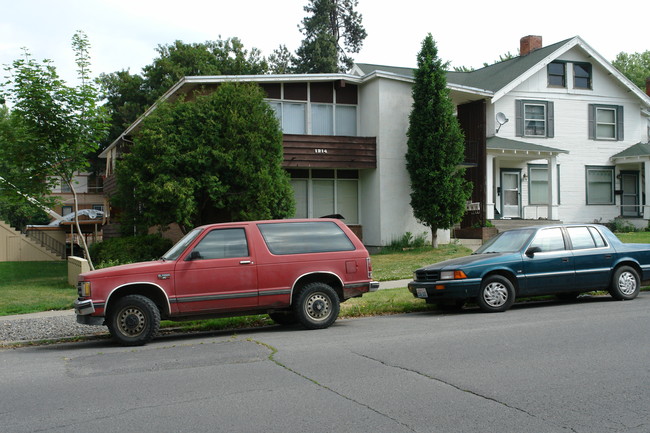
99 207
327 109
534 118
346 120
582 75
322 119
325 192
291 116
556 74
65 188
66 210
538 184
605 122
600 185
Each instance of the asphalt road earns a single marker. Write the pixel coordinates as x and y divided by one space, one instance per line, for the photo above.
540 367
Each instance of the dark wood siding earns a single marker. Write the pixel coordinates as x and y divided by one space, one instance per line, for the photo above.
325 151
471 117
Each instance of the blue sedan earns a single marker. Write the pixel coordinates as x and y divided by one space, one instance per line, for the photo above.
565 260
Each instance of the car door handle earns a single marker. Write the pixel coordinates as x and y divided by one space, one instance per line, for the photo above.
608 256
565 259
246 262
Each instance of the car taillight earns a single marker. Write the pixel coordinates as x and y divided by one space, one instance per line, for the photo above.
369 265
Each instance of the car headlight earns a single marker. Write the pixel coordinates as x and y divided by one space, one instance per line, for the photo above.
452 275
83 288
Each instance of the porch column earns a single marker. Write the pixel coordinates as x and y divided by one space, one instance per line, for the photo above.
553 210
646 189
489 188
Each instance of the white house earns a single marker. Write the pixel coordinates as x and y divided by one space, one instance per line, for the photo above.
562 107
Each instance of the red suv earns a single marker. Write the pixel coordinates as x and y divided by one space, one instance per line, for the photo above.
297 271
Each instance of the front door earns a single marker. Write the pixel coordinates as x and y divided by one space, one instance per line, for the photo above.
510 197
630 198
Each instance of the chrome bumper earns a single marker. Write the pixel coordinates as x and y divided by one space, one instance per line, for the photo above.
84 307
374 286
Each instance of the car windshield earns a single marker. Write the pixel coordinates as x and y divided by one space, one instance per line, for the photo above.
180 246
506 242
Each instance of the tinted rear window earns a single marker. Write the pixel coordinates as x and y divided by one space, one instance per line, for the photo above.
305 237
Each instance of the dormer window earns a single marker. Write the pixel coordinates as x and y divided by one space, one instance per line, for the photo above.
582 75
556 74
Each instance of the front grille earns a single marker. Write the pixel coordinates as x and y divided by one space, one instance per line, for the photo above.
427 275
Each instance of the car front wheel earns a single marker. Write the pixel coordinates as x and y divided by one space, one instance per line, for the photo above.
133 320
625 284
317 306
497 294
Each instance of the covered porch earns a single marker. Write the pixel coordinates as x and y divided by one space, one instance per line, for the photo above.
633 181
522 180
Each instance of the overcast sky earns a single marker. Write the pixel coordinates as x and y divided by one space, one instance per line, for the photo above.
124 33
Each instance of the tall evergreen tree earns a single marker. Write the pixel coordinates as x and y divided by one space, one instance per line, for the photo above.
332 30
435 151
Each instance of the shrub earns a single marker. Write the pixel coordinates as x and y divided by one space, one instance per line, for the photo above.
619 225
406 241
117 251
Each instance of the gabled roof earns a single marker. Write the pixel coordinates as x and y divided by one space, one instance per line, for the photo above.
507 145
500 78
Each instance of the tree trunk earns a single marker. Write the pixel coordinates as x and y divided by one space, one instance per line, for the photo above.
434 237
76 223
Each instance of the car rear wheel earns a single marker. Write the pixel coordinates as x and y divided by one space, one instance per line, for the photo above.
625 284
133 320
317 306
497 294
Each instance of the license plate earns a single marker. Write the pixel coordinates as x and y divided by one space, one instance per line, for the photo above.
422 293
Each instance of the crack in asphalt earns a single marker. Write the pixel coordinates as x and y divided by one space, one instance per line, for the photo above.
469 391
274 351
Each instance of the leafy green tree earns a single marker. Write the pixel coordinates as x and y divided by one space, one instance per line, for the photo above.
220 57
57 127
332 30
634 66
435 147
125 97
214 159
128 95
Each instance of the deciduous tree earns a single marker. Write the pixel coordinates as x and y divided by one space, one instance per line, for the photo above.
128 95
213 159
58 127
634 66
435 147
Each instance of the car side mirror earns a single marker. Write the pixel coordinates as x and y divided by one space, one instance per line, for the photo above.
194 255
530 252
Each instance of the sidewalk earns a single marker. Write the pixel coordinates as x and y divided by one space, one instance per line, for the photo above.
39 315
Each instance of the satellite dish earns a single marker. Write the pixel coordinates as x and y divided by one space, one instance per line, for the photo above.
501 120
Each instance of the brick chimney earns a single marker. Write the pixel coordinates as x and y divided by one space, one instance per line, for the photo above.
528 44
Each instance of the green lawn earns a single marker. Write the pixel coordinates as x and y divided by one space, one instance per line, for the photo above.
27 287
400 265
635 237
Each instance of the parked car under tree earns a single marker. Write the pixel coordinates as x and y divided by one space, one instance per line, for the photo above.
564 260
